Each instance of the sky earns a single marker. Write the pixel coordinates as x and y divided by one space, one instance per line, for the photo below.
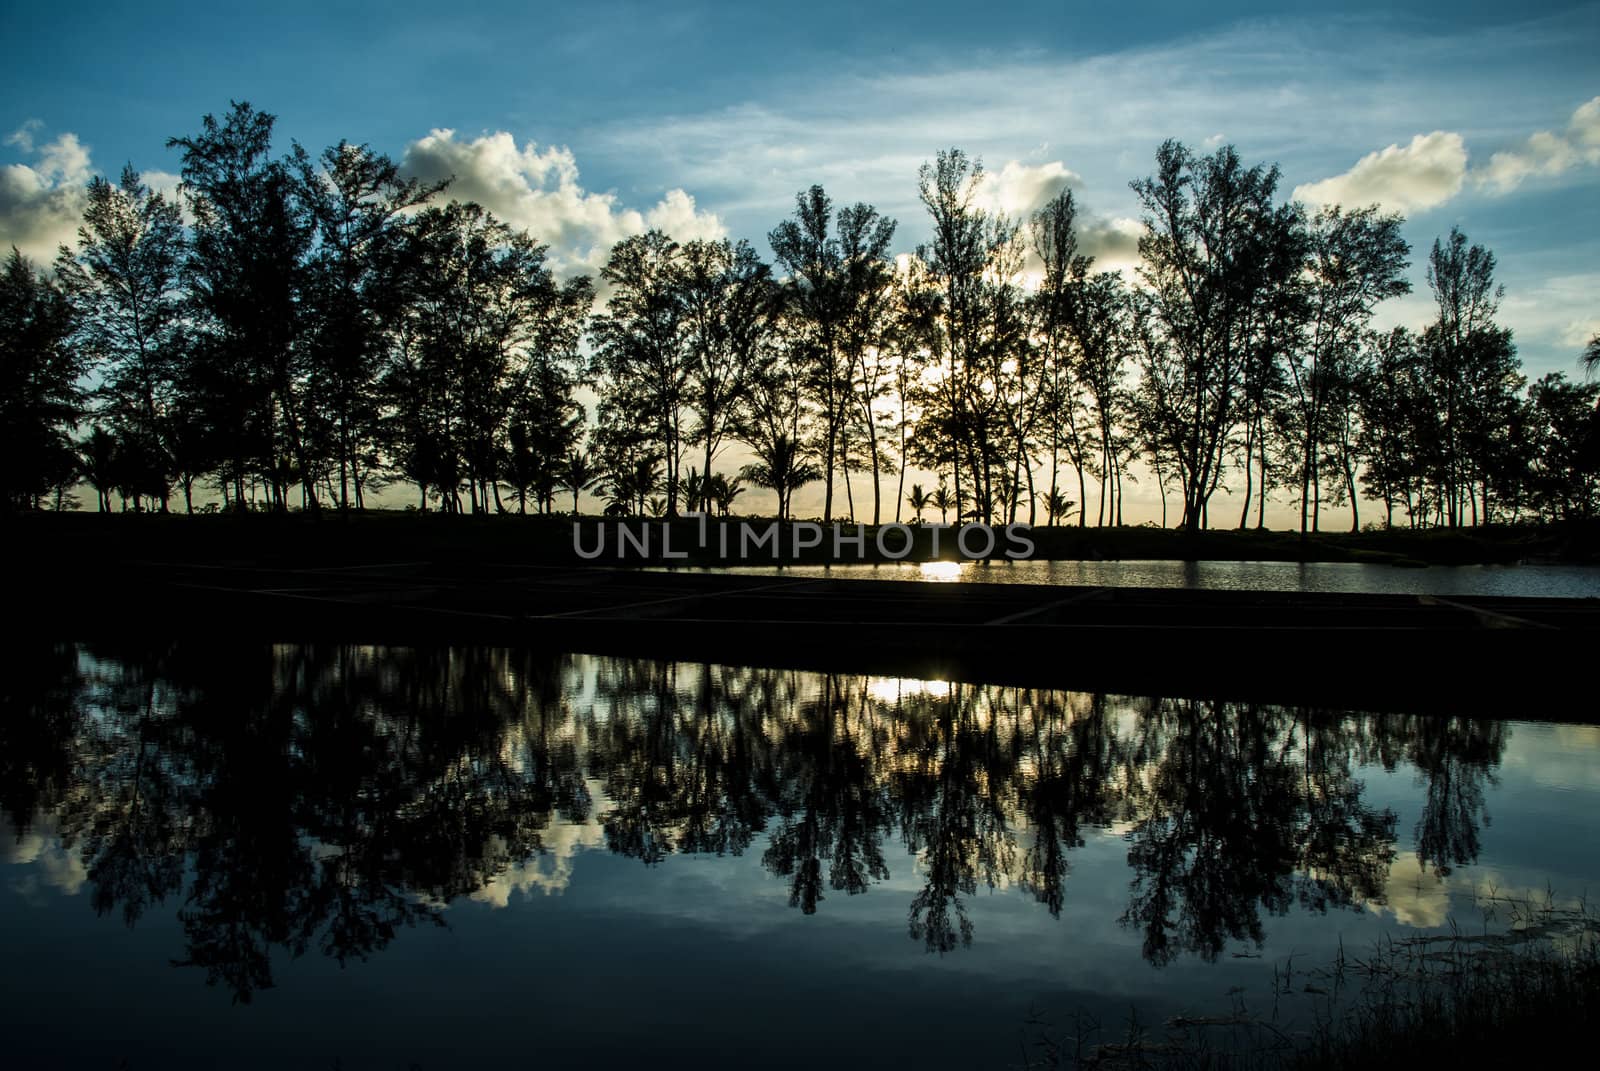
585 123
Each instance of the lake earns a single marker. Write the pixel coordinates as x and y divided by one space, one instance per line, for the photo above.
1533 581
335 856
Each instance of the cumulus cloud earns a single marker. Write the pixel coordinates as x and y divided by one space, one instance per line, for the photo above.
1547 153
538 189
1114 243
1019 189
41 202
1410 178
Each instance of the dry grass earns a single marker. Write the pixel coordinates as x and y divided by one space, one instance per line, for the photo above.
1527 982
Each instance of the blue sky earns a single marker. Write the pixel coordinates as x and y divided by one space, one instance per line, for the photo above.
585 122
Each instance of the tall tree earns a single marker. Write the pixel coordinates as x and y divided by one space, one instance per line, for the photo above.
40 395
730 303
1211 232
641 345
1472 374
1055 242
1354 260
124 281
818 303
244 274
359 205
864 238
963 401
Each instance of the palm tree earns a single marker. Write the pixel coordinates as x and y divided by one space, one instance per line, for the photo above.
723 491
1591 356
944 502
578 473
627 489
696 491
781 467
919 500
100 457
1057 506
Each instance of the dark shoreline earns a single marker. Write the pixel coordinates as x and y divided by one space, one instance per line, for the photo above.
1502 657
328 538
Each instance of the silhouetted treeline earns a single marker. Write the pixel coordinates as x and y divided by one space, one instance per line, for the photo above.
302 331
295 798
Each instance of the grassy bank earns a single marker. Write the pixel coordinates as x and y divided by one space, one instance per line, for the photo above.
389 536
1528 983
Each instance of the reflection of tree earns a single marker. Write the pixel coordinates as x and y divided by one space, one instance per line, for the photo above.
831 807
679 752
1455 756
36 729
319 795
950 785
1074 784
1231 823
330 797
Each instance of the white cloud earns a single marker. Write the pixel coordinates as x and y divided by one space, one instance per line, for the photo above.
1020 190
1411 178
1547 153
539 190
41 202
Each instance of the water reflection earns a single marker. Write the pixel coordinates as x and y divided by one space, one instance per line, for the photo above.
301 798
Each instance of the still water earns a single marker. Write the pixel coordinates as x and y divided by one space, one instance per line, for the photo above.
326 856
1535 581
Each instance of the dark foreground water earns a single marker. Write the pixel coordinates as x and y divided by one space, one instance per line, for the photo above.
1537 581
354 857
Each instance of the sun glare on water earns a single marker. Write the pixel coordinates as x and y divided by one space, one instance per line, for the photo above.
943 572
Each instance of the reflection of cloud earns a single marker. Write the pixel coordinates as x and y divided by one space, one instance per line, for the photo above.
1562 757
549 872
50 864
1418 897
1413 895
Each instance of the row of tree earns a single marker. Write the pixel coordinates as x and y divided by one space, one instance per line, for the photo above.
302 331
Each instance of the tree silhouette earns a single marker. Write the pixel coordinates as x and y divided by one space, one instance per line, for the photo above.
124 281
40 398
1214 257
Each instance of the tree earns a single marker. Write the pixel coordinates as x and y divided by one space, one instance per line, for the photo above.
836 291
964 404
359 205
1566 458
918 500
1211 260
40 396
1099 315
641 345
578 475
1055 242
1354 261
244 276
730 303
124 282
864 238
772 431
1471 373
489 342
